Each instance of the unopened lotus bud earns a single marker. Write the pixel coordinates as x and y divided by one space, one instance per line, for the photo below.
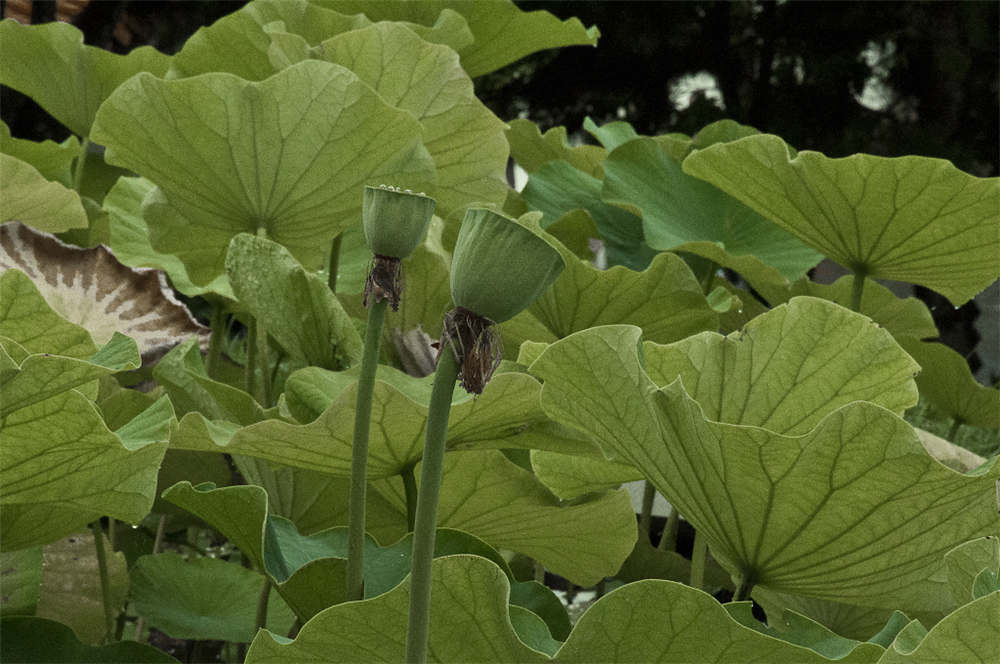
395 221
499 268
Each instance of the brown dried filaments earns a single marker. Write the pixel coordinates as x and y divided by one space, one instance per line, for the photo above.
385 281
476 344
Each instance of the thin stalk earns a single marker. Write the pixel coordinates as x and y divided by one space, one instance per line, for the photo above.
334 262
953 431
539 572
706 280
265 594
698 555
418 625
102 568
215 341
161 528
264 398
601 588
646 515
857 290
668 538
359 452
81 163
410 487
250 368
111 532
743 589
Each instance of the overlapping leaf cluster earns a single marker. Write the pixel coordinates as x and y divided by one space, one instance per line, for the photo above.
232 165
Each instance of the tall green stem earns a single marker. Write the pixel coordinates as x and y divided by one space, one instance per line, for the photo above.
953 431
359 453
646 515
218 323
102 568
331 278
418 627
744 588
857 290
250 368
81 164
706 280
410 487
262 598
263 362
668 538
698 555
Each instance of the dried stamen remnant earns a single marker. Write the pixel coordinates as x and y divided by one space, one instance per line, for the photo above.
385 281
476 345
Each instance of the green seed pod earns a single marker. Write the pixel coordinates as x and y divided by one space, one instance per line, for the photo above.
395 220
499 266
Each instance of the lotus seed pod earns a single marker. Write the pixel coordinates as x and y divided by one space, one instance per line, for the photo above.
395 220
500 266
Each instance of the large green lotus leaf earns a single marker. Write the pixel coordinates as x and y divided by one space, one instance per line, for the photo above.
296 307
969 634
463 137
71 585
287 156
569 476
238 44
51 64
531 149
664 621
506 415
502 33
970 562
946 381
611 134
787 369
852 509
469 621
182 373
912 219
678 209
43 375
558 188
61 467
51 159
485 494
802 631
131 245
901 316
42 641
194 467
33 200
203 598
22 578
665 299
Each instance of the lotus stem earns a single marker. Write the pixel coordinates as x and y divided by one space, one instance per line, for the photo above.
953 431
331 278
410 488
857 290
81 164
262 598
744 588
709 277
668 538
418 625
218 324
102 568
250 368
264 386
646 515
359 453
698 555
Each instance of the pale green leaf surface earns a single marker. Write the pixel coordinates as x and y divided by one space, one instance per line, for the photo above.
969 634
810 514
665 299
31 199
296 307
946 381
49 158
541 601
912 219
485 494
465 140
502 33
239 512
469 621
51 64
802 631
558 188
22 578
42 641
787 369
71 586
664 621
677 209
43 375
570 476
610 134
194 467
203 598
239 156
532 631
130 239
29 321
531 149
967 562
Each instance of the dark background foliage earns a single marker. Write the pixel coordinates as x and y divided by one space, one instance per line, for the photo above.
793 68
